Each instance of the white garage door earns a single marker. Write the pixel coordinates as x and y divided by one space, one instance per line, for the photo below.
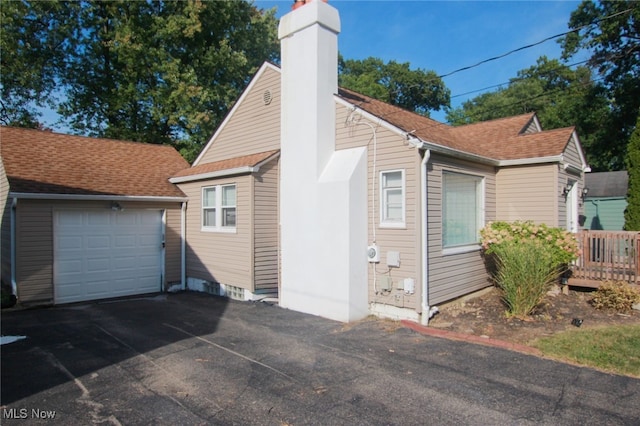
104 253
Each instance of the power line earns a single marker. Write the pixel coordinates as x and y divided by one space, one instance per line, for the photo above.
532 44
515 80
487 111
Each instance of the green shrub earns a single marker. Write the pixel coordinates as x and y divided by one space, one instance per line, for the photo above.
525 272
561 244
616 295
528 259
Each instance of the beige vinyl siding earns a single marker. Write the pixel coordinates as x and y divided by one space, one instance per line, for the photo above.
531 128
571 154
34 251
5 227
34 243
173 255
265 250
454 275
255 127
528 193
220 257
393 153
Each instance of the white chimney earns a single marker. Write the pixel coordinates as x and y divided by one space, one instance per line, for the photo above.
323 202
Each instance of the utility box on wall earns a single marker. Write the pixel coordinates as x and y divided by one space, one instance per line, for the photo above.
393 259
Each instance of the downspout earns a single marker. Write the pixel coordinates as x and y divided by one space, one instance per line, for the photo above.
427 312
183 245
12 255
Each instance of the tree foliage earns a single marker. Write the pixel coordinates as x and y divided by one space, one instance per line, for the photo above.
32 41
161 72
632 161
601 99
559 95
610 31
396 83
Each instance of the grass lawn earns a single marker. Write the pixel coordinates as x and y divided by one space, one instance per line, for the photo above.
614 349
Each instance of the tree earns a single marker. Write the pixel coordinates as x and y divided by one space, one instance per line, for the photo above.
161 72
416 90
610 30
632 161
559 95
31 42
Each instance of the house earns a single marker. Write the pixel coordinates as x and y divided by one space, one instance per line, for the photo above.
338 204
606 200
349 206
87 218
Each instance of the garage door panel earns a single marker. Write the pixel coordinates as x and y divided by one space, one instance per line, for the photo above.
70 218
101 254
127 217
68 243
98 241
125 241
98 218
124 263
147 285
70 266
100 265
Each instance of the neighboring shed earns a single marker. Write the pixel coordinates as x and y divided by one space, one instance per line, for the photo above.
606 200
86 218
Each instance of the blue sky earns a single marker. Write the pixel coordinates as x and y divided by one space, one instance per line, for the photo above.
444 36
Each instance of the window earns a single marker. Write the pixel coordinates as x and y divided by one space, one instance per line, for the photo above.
219 208
462 209
392 199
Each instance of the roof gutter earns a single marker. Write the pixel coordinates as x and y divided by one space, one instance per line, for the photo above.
419 143
216 174
95 197
223 173
527 161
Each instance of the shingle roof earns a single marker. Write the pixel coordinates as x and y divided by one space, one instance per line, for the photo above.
42 162
251 160
607 184
500 139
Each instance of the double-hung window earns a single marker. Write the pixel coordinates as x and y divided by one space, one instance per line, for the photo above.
392 205
462 211
219 208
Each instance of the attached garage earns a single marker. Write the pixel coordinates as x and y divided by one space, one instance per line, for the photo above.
105 253
87 219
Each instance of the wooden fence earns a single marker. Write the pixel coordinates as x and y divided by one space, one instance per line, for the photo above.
607 255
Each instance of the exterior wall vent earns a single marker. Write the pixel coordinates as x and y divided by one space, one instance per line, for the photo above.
266 97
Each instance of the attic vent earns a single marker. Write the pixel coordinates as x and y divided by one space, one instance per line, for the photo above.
267 97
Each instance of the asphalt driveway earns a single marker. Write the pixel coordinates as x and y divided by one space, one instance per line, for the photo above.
197 359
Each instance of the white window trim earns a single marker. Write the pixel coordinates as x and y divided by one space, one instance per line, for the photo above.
218 228
471 247
393 224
